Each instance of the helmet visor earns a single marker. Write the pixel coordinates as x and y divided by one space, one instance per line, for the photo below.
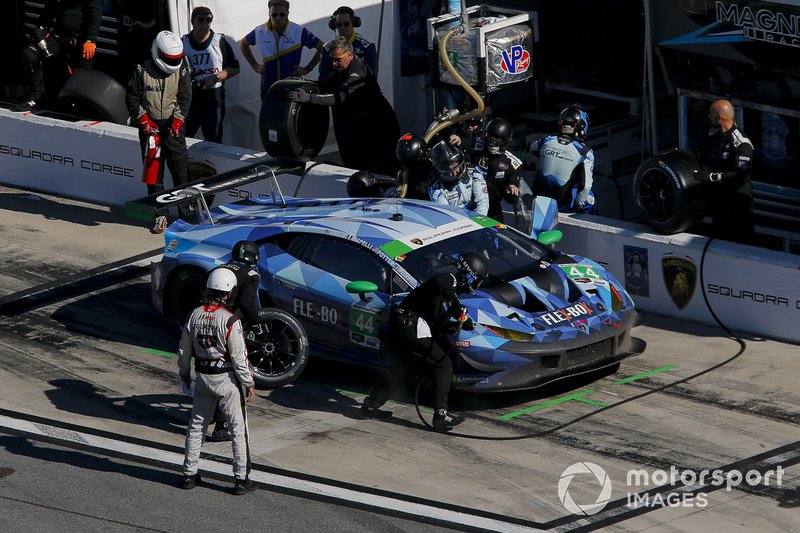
171 60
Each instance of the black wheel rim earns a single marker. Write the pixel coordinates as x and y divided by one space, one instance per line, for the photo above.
273 350
657 196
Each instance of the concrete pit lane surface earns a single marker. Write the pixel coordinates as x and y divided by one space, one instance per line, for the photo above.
90 406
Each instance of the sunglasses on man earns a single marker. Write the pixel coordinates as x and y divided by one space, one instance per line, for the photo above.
205 19
337 60
278 15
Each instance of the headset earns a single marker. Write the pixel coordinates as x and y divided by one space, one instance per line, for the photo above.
344 10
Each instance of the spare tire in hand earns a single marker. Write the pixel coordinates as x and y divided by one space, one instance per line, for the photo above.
94 95
292 131
667 194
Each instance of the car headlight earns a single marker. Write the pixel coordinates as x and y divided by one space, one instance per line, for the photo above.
510 334
616 300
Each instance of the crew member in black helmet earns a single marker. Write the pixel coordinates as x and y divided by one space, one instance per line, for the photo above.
243 303
417 173
420 325
499 166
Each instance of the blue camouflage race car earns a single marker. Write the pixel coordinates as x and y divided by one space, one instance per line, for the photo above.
332 268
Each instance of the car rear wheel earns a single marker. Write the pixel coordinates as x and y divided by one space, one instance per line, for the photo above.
277 348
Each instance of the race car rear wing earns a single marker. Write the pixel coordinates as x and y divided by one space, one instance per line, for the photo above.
148 207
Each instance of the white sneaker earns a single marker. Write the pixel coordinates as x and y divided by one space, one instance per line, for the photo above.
160 225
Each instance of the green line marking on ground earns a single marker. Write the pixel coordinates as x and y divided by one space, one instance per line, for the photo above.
644 374
578 396
159 352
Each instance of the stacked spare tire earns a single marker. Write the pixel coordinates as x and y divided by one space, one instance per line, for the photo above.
668 196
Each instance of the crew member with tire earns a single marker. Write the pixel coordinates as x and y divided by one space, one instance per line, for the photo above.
213 61
159 96
213 335
364 122
65 37
726 157
566 162
420 325
243 303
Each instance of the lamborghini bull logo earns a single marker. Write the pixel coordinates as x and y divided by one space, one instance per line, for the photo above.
680 277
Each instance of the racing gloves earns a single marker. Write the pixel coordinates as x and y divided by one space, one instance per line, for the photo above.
147 126
702 175
298 95
89 48
175 126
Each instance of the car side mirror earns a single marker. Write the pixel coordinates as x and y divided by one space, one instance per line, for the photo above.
361 288
550 237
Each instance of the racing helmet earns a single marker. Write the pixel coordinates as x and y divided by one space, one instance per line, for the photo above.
448 160
498 135
221 279
362 184
167 51
573 121
246 252
473 269
411 149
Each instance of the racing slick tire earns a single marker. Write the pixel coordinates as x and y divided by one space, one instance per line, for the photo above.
93 94
291 130
185 293
277 348
668 196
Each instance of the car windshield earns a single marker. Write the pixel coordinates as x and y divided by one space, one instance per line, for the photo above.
509 254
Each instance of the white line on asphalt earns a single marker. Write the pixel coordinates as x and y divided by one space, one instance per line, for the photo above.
394 505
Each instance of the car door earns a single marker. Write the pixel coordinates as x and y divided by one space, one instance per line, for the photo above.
313 290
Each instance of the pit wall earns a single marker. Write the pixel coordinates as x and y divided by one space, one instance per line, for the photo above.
101 162
752 290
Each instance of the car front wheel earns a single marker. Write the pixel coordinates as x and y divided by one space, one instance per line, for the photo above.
277 348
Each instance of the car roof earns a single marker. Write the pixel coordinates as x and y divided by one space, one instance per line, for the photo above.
374 220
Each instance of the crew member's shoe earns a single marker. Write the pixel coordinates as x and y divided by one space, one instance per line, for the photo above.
220 433
24 106
190 482
366 412
160 225
243 486
444 420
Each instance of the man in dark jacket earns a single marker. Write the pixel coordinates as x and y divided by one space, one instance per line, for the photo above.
727 157
365 124
66 38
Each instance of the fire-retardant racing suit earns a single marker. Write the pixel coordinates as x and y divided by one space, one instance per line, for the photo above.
165 98
565 162
243 301
500 172
69 31
729 154
214 336
470 192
